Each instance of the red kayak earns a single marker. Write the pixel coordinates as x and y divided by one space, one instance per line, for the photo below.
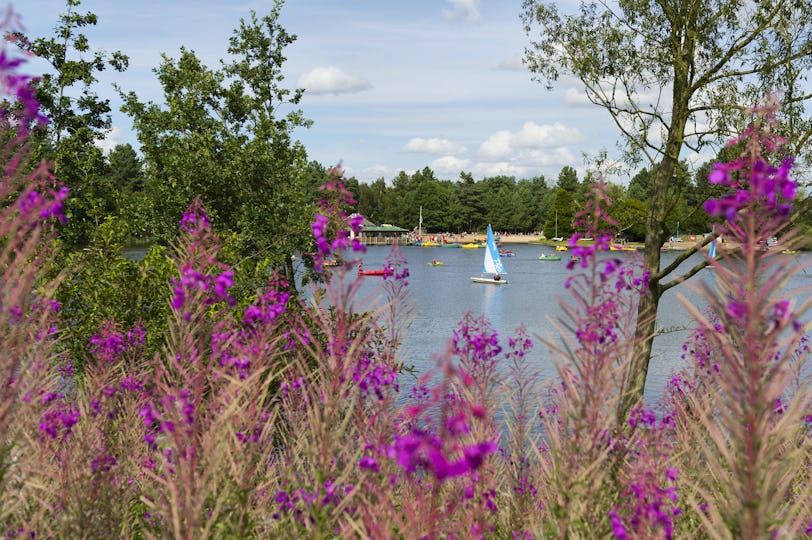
373 272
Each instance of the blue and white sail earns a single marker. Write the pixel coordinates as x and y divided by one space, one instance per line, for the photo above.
712 249
493 262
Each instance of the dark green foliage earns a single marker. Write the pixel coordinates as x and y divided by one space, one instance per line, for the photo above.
561 215
78 118
102 285
224 135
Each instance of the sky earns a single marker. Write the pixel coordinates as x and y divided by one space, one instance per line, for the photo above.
390 85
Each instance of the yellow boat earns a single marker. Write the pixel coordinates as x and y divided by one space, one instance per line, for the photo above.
429 243
560 248
472 245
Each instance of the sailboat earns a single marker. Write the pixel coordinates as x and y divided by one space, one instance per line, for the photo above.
492 267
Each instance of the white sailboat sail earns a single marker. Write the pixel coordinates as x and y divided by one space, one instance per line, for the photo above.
712 249
493 262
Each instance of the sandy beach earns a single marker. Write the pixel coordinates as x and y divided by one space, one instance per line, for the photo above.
535 239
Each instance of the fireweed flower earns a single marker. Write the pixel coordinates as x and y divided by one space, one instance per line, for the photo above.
15 85
426 451
192 282
333 231
111 344
195 221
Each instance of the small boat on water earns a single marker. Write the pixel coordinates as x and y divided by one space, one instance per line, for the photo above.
436 263
492 267
506 253
372 272
549 257
616 247
429 243
451 245
472 245
561 247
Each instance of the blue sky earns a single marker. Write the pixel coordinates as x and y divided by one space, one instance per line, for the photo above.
390 85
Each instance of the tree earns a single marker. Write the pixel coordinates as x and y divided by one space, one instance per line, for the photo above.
224 136
568 179
559 220
674 74
640 185
78 117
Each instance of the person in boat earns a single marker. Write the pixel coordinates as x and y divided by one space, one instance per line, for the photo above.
496 277
433 261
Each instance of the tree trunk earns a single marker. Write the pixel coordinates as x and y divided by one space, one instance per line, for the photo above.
647 308
683 45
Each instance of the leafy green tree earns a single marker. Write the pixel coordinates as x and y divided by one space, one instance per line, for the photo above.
640 185
106 286
373 201
78 117
703 61
224 136
568 179
630 215
542 198
559 220
472 199
524 215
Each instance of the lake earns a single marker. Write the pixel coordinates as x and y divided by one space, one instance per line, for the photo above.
443 294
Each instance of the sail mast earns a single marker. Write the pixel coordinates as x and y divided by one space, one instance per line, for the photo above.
420 223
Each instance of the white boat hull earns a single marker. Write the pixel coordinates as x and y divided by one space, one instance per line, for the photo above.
489 280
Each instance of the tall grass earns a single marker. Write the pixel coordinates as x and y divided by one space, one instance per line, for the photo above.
290 417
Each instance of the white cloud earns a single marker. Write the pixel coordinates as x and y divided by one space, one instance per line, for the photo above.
497 146
533 135
503 144
499 168
374 172
556 157
576 97
450 165
463 10
434 146
331 80
513 63
113 138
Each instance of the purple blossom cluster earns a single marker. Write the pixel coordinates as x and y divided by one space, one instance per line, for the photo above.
333 230
299 502
475 341
15 85
111 343
192 282
373 377
424 451
755 184
767 187
270 306
59 419
45 207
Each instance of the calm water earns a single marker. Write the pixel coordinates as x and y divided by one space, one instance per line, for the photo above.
445 293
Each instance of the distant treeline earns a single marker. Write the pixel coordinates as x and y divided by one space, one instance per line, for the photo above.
523 205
